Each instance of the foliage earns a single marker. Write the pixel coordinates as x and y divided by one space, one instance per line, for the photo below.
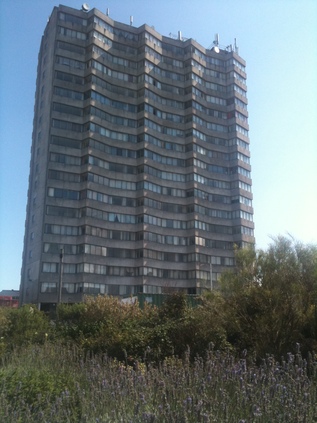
105 361
104 324
54 383
266 305
26 325
33 373
174 307
195 328
271 299
127 332
4 323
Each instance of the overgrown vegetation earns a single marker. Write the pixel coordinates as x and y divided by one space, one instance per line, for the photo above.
246 353
55 383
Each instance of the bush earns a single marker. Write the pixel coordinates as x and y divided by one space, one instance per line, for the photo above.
26 325
104 324
128 333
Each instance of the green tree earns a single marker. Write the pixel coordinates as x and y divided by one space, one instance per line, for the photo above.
246 272
271 298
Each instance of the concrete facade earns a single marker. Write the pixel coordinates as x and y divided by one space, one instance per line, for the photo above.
140 162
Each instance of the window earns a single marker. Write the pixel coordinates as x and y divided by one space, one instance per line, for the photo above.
64 108
50 267
70 63
75 20
67 126
64 92
48 287
72 34
63 193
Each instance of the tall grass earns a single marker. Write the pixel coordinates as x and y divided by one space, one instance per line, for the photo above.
58 383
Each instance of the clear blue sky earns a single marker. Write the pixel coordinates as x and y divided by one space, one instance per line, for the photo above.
278 40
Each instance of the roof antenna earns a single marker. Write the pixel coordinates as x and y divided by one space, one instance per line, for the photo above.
216 44
236 48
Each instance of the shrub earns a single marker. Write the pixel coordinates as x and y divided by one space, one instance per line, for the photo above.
26 325
104 324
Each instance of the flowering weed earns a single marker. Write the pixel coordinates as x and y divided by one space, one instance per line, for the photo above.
56 383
